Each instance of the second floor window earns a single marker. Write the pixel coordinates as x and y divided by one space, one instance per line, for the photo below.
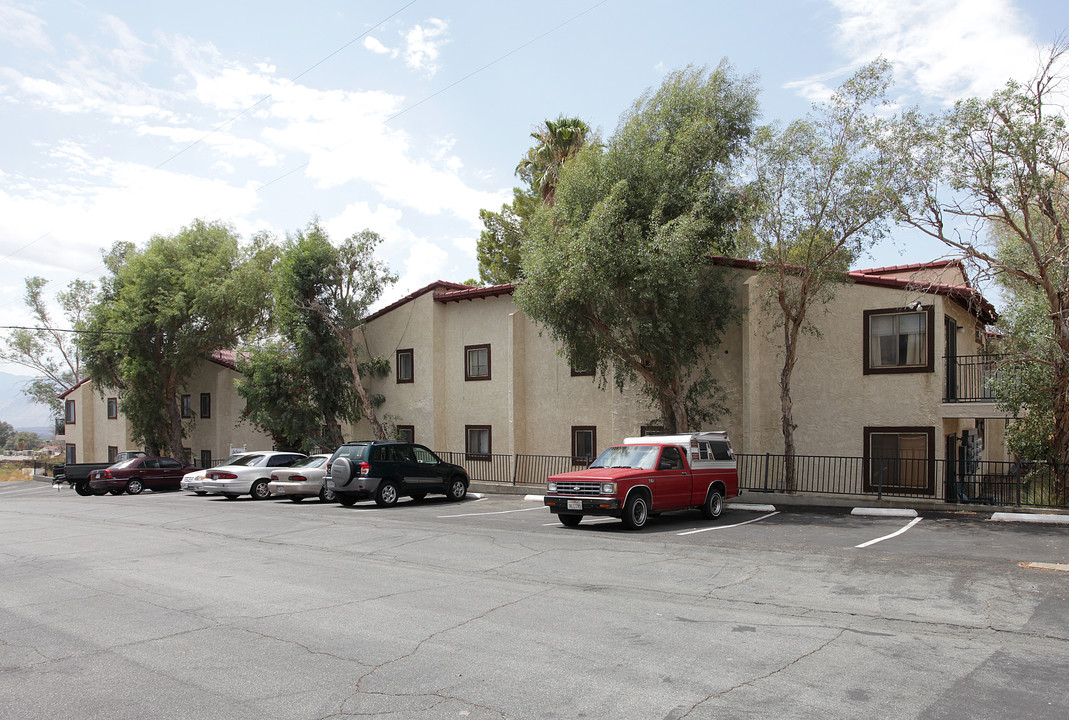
405 366
68 412
113 408
187 406
477 362
897 341
205 405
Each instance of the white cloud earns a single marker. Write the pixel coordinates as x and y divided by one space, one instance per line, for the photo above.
942 51
422 43
23 29
376 47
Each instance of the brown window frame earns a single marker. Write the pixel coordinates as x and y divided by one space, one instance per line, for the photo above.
113 408
929 336
489 442
185 406
928 432
70 413
205 405
467 366
70 453
411 433
113 453
411 353
205 458
578 459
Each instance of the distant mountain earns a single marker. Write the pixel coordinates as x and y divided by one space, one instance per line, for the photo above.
19 411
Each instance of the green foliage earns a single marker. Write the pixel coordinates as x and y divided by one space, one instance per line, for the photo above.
50 349
557 142
298 387
499 244
165 308
23 441
6 432
618 268
821 199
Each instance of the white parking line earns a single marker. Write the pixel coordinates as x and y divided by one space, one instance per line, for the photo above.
38 487
497 512
725 527
896 533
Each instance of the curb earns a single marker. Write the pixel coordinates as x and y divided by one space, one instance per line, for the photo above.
1030 518
884 512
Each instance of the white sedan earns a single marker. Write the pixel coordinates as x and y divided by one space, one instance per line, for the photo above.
191 481
248 475
302 479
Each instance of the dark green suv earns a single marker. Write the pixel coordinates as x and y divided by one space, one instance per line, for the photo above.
384 471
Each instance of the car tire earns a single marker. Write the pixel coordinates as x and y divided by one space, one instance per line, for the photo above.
259 490
82 489
327 495
346 499
636 512
569 520
296 498
458 489
386 494
117 491
713 506
134 486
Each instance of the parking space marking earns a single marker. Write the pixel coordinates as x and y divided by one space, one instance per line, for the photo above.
896 533
725 527
496 512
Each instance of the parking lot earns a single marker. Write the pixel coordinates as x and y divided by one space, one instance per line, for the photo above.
174 606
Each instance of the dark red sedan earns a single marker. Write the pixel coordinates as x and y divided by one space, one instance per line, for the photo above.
134 475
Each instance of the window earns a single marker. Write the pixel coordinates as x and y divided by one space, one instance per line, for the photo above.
584 440
581 372
170 464
68 412
113 408
113 453
425 456
187 406
205 405
899 341
72 452
187 457
650 430
477 442
405 366
671 459
406 433
900 459
477 362
205 458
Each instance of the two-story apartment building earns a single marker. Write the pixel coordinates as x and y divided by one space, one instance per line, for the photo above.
94 430
894 371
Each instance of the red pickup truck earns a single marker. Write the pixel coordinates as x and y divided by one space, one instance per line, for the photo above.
648 475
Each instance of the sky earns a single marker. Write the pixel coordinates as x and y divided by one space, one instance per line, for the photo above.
122 120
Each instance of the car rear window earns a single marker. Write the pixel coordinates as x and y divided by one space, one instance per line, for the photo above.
350 452
251 460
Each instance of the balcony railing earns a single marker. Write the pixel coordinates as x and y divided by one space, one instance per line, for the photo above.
969 378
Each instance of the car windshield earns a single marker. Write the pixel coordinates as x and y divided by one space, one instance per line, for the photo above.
641 457
250 460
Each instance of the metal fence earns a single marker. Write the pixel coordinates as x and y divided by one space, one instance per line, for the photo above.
981 482
513 469
970 377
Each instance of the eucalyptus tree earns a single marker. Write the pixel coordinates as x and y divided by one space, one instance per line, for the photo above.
163 309
618 267
821 201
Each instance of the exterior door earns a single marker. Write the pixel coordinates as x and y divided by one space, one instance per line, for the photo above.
673 480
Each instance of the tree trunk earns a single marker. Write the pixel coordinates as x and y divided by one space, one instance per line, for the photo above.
1060 441
791 330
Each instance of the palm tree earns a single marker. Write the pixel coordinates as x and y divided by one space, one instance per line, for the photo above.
558 141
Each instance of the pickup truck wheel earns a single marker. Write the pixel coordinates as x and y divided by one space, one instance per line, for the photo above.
386 495
134 487
636 512
259 490
457 489
346 499
117 491
82 488
569 520
714 505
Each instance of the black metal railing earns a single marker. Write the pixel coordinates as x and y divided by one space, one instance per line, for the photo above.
969 378
513 469
980 482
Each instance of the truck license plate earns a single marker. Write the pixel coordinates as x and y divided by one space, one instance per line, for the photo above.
575 504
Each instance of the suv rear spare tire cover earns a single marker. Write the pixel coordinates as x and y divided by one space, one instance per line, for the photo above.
341 472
